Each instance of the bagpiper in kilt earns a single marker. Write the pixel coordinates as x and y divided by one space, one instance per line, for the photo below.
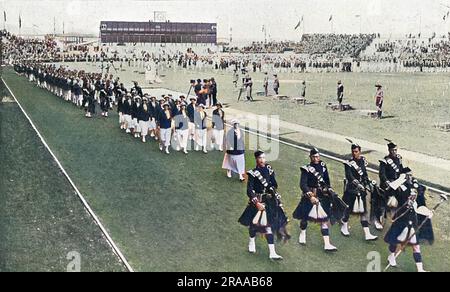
264 213
356 187
405 228
319 202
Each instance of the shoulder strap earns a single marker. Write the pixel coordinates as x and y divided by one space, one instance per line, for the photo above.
392 164
355 166
261 179
314 172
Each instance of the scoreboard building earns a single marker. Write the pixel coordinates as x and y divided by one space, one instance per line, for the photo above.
158 32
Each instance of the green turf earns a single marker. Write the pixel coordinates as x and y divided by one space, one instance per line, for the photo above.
177 213
41 218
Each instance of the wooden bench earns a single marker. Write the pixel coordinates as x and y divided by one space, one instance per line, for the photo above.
280 97
369 113
443 127
299 100
337 107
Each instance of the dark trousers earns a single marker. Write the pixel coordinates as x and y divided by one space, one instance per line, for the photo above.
214 98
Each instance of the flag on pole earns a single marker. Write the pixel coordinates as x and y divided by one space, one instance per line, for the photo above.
4 15
299 23
331 18
263 28
20 21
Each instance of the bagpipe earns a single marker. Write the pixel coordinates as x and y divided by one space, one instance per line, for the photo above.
278 217
337 206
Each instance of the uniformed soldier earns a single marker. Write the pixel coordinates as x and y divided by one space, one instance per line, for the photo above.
391 167
264 213
379 99
276 84
357 184
315 204
340 94
406 221
266 84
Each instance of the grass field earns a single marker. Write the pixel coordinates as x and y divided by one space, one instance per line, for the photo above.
41 218
177 213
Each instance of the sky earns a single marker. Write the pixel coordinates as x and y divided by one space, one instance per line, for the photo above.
245 18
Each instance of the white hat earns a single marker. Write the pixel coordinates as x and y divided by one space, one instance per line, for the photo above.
235 121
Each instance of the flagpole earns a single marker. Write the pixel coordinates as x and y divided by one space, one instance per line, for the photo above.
360 23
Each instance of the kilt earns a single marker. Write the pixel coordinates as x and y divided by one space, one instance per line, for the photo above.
400 227
276 218
305 206
350 199
235 163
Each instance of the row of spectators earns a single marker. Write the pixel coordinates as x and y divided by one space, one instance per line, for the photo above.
340 45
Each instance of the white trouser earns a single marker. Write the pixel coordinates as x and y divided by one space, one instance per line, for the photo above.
136 127
191 129
152 124
129 121
182 137
201 137
166 135
144 127
218 137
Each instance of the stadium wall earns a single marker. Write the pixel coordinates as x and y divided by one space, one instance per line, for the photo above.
158 32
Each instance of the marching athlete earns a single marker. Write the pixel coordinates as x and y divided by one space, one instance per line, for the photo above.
165 126
144 117
191 108
218 125
201 129
182 128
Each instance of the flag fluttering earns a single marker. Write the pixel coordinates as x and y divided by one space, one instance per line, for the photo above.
299 23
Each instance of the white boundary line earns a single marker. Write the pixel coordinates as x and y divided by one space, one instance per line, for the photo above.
110 241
